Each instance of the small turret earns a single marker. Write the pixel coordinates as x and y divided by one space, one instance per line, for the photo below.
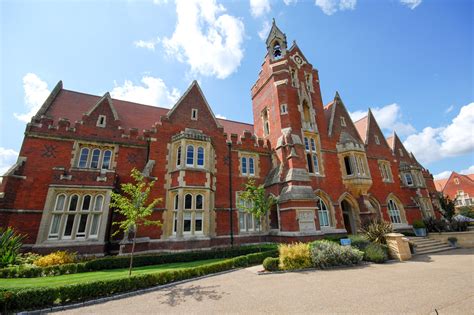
276 43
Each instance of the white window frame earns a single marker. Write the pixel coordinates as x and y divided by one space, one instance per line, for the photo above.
101 121
343 121
283 109
406 175
394 212
194 114
323 211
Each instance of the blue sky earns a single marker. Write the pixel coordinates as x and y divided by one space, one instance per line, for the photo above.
411 61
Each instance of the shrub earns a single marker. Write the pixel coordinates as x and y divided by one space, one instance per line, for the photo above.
27 258
359 241
467 212
335 239
294 256
327 254
418 224
435 225
10 244
56 258
376 253
42 297
375 231
271 264
458 226
115 262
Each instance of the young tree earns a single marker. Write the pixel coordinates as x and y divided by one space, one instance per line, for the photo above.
132 204
448 207
255 201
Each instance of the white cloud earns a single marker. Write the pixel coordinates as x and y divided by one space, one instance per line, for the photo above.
442 175
221 116
153 91
159 2
412 4
288 2
455 139
329 7
449 109
469 170
206 38
389 118
263 33
36 92
259 7
148 44
8 157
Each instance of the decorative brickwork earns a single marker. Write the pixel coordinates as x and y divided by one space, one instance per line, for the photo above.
329 175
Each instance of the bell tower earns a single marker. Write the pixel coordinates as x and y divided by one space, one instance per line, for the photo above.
288 112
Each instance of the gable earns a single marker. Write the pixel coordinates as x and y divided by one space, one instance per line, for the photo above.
341 121
193 100
399 147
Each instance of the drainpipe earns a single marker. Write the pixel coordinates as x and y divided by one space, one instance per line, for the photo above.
147 150
231 219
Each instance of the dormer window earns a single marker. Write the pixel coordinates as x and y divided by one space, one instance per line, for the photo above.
101 121
194 114
343 122
277 54
377 140
456 181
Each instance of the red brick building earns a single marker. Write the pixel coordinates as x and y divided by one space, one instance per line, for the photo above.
328 173
459 188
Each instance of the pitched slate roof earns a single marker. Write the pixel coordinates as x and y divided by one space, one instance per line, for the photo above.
73 105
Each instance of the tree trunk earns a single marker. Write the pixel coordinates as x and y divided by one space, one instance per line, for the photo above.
133 250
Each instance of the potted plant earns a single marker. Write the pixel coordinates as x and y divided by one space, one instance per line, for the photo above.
419 227
453 241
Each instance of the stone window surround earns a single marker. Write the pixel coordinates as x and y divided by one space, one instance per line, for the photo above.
257 228
313 151
357 159
173 214
256 158
46 219
385 171
401 210
101 121
76 155
183 143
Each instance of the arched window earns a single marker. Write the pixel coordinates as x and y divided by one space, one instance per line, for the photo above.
313 145
178 156
188 202
60 201
323 213
98 203
199 202
73 202
84 157
190 156
200 157
86 203
106 159
306 144
309 161
277 50
394 212
95 158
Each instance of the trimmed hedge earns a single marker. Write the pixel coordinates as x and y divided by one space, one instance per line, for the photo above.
376 253
43 297
118 262
271 264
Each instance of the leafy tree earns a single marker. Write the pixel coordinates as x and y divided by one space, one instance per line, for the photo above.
255 201
448 207
132 204
467 212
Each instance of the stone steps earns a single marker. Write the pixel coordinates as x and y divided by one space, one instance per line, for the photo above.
426 245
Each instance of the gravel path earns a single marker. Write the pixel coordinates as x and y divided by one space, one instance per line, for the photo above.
442 282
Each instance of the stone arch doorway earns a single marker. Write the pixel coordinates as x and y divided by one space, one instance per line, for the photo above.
348 217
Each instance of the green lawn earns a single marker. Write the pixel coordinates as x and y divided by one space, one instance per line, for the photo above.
96 275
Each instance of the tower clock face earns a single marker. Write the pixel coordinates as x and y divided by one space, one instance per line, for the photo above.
298 60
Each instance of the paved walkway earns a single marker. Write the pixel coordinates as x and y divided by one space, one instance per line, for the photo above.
442 282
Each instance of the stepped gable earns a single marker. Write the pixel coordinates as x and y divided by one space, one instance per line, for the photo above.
343 132
72 105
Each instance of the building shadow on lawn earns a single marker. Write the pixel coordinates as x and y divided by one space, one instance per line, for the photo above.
175 295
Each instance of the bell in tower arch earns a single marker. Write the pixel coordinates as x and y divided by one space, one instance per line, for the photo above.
276 43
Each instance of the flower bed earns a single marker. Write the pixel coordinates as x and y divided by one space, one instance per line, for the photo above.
117 262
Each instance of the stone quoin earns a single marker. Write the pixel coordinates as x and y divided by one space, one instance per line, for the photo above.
329 174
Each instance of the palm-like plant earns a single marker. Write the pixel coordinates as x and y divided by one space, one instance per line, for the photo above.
10 244
375 231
